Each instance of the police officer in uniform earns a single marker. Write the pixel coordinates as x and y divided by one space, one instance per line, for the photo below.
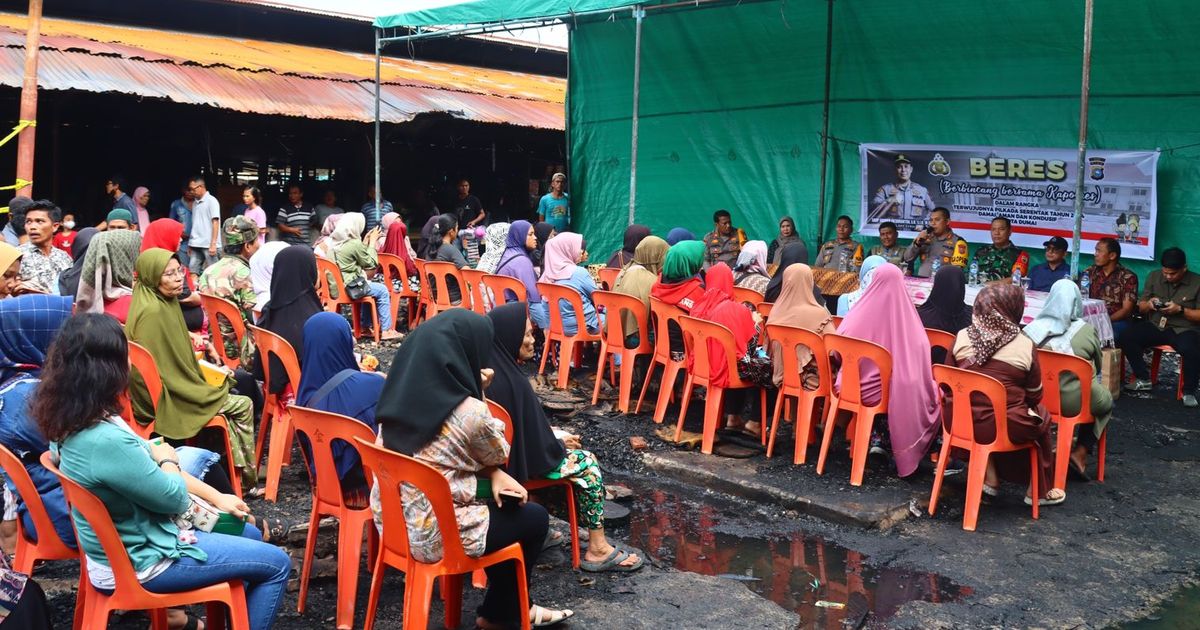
831 253
938 242
905 199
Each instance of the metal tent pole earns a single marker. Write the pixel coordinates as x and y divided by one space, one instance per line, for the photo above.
638 14
28 111
1083 116
825 121
378 62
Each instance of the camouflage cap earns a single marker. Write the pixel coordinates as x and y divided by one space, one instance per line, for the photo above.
239 230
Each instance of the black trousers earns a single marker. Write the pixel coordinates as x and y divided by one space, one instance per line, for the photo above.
245 385
525 524
31 611
1142 335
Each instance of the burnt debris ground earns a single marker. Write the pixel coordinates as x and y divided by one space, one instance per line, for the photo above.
749 542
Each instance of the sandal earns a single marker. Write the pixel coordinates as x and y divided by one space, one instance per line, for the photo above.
544 617
253 493
554 538
1053 497
612 563
991 491
275 530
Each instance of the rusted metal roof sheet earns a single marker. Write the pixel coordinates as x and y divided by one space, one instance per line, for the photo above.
271 77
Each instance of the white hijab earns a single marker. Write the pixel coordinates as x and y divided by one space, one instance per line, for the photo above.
262 265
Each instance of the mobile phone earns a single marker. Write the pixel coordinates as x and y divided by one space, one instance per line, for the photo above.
507 497
1158 304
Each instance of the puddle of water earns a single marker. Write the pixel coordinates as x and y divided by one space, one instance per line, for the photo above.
1181 612
828 585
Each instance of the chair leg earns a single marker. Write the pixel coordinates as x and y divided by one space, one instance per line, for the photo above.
803 426
599 372
939 472
666 390
566 353
522 592
215 616
452 586
646 385
830 427
762 417
625 390
350 543
860 445
687 396
573 521
418 589
376 586
775 416
976 471
1101 448
310 545
1035 492
280 446
545 355
1062 459
713 408
269 412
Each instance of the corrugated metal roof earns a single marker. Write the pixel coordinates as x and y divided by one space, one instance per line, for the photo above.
271 77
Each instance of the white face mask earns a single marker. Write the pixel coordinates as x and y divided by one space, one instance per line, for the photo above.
70 225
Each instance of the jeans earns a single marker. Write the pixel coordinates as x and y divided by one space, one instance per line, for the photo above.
263 567
1141 335
526 524
383 306
199 259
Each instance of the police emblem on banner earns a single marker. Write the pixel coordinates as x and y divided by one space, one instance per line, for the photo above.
938 166
1097 167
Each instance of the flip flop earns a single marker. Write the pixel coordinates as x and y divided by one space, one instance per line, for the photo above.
1047 501
554 538
552 618
611 563
991 491
1076 473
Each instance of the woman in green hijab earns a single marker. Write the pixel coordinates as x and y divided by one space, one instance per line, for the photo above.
187 402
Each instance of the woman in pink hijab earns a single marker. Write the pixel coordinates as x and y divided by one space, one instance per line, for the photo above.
386 222
141 197
885 316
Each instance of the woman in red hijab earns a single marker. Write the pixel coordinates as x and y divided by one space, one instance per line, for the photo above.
167 234
719 307
396 243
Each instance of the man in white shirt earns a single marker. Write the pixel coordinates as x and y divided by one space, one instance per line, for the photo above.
206 227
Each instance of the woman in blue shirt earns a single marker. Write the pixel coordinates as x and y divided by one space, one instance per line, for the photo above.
563 253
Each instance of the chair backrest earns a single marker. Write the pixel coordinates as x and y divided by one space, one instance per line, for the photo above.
701 353
270 344
473 278
941 339
764 308
500 413
790 338
747 296
218 308
615 305
396 273
663 315
438 272
554 295
322 428
608 277
853 353
92 510
48 538
958 387
141 360
1056 365
504 286
329 281
837 321
393 469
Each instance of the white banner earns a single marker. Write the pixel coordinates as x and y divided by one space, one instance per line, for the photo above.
1033 188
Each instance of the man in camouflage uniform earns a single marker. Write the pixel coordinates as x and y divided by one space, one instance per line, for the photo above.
888 246
830 254
939 243
229 278
997 261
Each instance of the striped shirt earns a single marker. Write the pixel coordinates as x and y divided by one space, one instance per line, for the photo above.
298 217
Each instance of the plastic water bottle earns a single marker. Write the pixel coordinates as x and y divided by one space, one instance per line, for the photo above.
974 279
934 266
1016 276
1085 283
843 261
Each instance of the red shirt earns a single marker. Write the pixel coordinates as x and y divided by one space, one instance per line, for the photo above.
64 241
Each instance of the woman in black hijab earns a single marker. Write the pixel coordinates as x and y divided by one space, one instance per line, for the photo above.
293 300
634 234
68 281
945 308
432 409
543 231
791 254
536 450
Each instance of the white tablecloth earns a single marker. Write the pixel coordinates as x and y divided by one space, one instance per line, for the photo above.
1094 311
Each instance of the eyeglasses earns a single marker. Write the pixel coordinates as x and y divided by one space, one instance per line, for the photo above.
178 273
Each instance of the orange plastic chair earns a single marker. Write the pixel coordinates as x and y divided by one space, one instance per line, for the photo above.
48 546
612 341
395 273
502 414
962 384
608 277
502 286
322 428
1054 366
215 309
941 339
700 374
391 470
837 321
141 360
276 415
764 310
129 594
747 296
662 314
568 345
473 277
790 338
850 399
1156 361
329 276
426 294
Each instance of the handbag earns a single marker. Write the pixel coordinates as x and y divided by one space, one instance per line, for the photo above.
357 289
203 516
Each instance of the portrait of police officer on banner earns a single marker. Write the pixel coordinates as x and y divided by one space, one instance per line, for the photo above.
904 200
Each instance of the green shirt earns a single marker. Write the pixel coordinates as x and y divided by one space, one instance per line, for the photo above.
1185 293
353 257
115 465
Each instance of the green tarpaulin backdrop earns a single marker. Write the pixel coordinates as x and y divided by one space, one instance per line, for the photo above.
731 100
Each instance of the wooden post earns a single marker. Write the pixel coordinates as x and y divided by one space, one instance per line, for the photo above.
25 140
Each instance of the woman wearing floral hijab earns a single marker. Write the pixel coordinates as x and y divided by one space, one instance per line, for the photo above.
993 345
750 271
495 237
106 284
